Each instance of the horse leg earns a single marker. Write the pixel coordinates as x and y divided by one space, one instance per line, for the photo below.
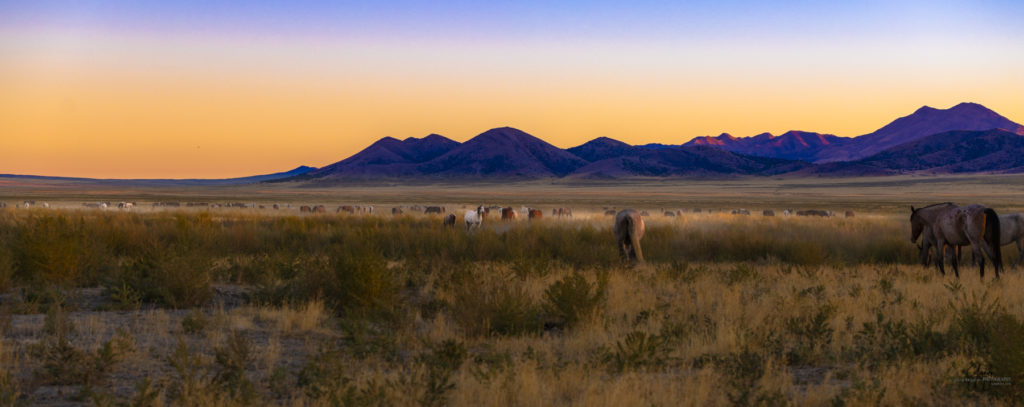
1020 251
940 256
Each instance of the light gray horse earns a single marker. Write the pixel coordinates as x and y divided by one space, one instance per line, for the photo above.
629 229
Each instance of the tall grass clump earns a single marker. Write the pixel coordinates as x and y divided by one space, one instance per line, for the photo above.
176 279
495 305
984 328
573 299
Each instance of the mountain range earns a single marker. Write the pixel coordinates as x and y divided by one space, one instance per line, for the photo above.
967 137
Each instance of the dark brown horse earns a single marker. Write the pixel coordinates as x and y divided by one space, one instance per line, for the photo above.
629 229
952 226
449 220
508 214
535 214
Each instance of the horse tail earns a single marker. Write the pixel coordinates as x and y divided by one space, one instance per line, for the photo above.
634 236
992 237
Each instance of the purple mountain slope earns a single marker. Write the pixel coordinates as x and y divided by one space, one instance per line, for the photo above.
993 150
792 145
389 157
924 122
602 148
685 161
503 152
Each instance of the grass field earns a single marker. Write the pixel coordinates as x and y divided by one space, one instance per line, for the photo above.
250 307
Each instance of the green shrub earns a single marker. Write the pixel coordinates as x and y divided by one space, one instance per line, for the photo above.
636 350
497 307
229 368
195 322
172 278
572 299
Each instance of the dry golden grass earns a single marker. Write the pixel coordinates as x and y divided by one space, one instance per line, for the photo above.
729 310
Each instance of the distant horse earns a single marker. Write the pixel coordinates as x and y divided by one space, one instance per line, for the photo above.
849 214
508 214
813 212
449 220
560 212
474 218
953 226
740 212
670 213
434 209
768 212
346 209
305 209
398 211
319 209
629 229
536 214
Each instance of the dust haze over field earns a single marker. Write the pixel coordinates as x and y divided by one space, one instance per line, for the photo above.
239 306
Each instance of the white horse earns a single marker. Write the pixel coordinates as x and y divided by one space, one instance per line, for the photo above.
474 218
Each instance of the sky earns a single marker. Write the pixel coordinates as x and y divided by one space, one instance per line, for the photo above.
214 89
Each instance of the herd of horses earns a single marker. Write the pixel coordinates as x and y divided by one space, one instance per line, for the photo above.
943 228
947 228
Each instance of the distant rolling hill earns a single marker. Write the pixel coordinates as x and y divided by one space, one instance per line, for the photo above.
994 150
967 137
502 152
924 122
684 162
825 148
178 182
964 138
791 145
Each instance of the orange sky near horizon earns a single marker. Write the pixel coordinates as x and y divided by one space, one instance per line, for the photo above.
95 104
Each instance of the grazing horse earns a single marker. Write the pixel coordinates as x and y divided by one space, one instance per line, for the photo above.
319 209
629 229
768 212
397 211
474 218
305 208
346 209
740 212
434 209
813 212
449 220
952 225
927 216
536 214
560 212
508 214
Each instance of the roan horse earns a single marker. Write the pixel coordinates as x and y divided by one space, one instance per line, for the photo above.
951 225
1011 231
629 229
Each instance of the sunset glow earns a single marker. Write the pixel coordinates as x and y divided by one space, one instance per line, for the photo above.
116 89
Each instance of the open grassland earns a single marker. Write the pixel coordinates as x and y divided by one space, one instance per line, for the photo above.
248 307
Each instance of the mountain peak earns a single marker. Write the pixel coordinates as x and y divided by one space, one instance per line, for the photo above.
924 122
